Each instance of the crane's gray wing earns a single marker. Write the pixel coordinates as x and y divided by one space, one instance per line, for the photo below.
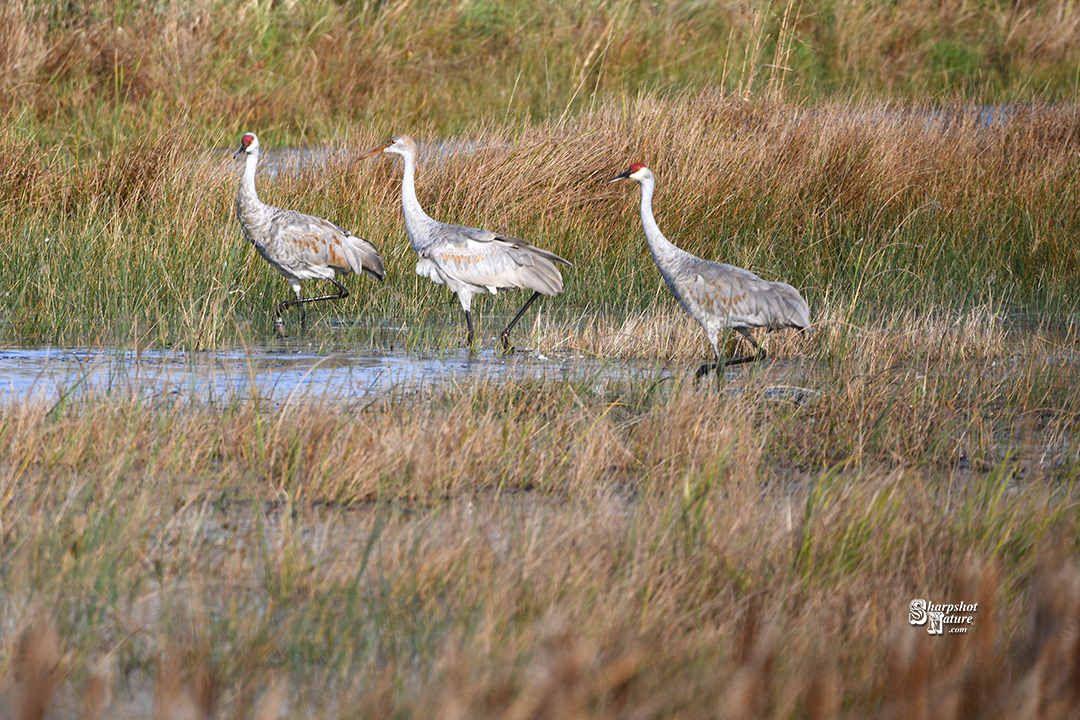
460 234
742 298
312 247
490 262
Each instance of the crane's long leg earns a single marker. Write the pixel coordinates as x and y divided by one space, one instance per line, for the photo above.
468 321
343 292
760 354
505 337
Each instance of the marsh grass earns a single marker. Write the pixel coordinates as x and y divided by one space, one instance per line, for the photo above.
864 208
104 69
561 548
600 545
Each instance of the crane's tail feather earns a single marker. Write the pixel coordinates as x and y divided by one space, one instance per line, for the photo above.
795 313
529 267
517 245
552 257
541 276
364 257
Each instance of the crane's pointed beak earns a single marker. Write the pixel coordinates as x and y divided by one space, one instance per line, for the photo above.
376 151
243 147
620 176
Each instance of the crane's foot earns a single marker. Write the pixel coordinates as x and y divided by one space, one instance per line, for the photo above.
703 371
718 367
508 349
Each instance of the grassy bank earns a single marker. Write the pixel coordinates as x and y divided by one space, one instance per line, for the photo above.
866 209
555 549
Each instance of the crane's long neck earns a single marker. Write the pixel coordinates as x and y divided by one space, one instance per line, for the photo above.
247 200
416 220
664 252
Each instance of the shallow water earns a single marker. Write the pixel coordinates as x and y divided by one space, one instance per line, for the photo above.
279 375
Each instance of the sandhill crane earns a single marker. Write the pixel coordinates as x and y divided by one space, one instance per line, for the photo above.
715 294
467 260
298 246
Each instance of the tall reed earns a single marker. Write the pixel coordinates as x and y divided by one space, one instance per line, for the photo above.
866 209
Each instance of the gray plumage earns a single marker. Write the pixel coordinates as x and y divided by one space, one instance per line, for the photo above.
300 247
715 294
470 261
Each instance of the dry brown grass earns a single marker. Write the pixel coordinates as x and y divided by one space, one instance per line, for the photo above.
20 45
583 611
